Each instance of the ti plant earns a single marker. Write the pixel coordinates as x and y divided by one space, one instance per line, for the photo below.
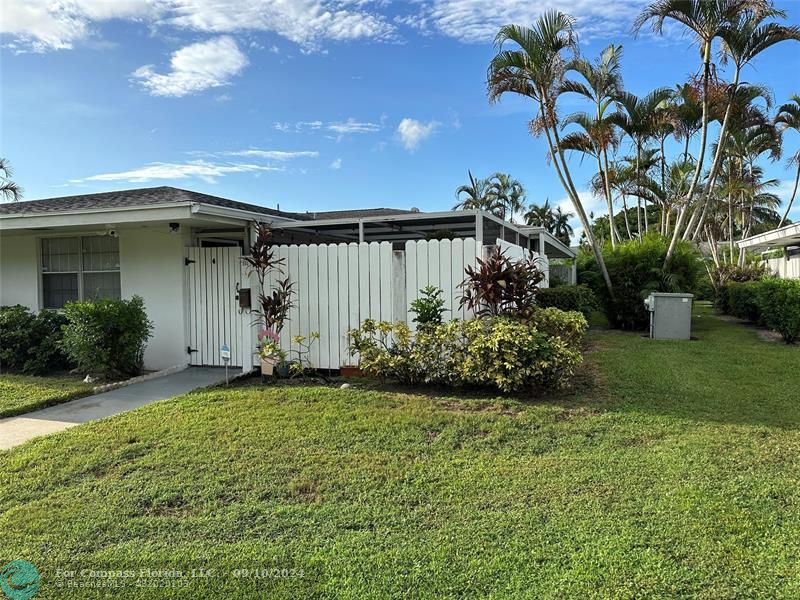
276 303
500 286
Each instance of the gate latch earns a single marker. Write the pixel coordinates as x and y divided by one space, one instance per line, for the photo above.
190 350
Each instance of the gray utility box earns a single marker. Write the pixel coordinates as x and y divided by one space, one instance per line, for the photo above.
670 316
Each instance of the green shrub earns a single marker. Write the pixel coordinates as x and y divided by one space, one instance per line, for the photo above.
511 355
30 343
500 352
636 269
429 307
568 297
743 300
779 303
725 274
570 326
107 337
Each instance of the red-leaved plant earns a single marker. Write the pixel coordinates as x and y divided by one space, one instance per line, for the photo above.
500 286
274 304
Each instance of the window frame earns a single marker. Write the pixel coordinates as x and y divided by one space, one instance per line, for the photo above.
79 273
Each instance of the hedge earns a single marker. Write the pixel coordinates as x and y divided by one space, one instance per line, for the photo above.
579 298
772 302
30 343
107 337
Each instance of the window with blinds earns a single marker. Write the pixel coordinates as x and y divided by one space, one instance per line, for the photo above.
79 268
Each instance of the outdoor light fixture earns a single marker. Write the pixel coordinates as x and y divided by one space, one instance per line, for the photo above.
174 227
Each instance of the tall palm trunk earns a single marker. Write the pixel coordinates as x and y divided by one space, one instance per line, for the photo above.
638 197
662 221
699 164
612 227
644 211
625 212
695 226
794 193
554 142
730 226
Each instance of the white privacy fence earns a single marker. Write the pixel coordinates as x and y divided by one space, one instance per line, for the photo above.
338 286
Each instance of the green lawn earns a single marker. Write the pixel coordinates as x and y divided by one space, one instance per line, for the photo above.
671 472
23 393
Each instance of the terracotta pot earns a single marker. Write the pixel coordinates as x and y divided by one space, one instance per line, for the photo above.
267 366
350 371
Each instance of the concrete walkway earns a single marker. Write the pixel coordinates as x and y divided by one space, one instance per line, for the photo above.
16 430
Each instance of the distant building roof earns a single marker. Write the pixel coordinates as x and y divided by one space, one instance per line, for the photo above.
358 213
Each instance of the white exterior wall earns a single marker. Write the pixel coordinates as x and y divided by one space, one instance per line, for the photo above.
785 268
152 266
19 271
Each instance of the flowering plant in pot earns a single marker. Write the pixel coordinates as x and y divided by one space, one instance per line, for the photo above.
274 302
270 351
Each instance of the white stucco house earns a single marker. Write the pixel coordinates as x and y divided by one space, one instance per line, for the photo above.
785 240
181 252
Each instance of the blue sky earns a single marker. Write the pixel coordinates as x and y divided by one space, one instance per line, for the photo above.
310 104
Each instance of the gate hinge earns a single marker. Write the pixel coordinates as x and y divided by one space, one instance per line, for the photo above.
188 261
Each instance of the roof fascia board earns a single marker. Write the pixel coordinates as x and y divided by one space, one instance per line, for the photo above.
171 212
789 233
199 208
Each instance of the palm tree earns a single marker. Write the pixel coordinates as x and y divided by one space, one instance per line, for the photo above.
476 195
603 84
561 227
535 70
639 119
706 20
788 117
744 38
508 194
540 216
8 189
687 110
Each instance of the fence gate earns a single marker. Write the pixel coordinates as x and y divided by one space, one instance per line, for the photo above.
214 275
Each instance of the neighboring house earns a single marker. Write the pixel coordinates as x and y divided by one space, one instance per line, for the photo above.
786 241
181 252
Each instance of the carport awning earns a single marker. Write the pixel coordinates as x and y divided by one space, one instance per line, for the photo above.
788 235
419 226
414 226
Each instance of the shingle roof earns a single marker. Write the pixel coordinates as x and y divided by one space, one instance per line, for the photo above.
167 195
131 198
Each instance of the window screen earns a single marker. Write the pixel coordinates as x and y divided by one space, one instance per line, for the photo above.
79 269
59 288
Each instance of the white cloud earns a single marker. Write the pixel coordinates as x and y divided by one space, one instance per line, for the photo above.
341 128
280 155
195 68
41 25
46 25
336 164
477 21
207 171
411 132
353 126
784 192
